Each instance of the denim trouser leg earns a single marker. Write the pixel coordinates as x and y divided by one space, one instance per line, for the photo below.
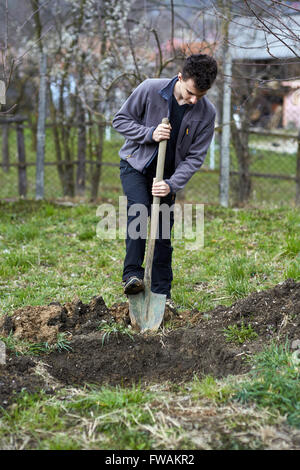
162 275
137 188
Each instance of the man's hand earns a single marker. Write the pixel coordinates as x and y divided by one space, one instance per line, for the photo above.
160 189
162 132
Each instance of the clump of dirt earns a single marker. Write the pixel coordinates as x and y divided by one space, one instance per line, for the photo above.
272 313
196 343
40 324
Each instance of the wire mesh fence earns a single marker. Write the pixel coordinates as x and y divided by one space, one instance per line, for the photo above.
273 166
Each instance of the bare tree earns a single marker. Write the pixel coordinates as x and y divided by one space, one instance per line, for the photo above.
15 45
98 56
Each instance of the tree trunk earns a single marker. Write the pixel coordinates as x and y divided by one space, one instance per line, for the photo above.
241 145
97 168
81 152
22 177
69 167
5 147
32 122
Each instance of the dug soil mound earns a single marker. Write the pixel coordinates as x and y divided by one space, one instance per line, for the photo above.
188 343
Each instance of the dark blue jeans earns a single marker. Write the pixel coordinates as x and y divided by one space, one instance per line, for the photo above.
137 188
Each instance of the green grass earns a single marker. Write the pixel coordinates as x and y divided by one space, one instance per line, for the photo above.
113 329
239 334
238 274
274 383
293 270
101 418
51 253
210 388
22 347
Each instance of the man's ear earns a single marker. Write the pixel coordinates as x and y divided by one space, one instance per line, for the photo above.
180 76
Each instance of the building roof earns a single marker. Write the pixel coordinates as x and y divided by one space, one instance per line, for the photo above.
249 39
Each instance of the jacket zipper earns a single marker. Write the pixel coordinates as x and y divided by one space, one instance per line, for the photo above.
150 160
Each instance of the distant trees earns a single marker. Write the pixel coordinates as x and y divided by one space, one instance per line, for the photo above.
99 50
96 51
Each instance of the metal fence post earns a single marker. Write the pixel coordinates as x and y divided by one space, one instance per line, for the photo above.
225 138
212 154
40 154
2 93
298 172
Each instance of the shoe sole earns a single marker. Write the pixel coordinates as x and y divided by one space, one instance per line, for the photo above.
134 288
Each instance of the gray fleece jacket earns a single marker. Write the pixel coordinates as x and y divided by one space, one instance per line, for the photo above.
143 111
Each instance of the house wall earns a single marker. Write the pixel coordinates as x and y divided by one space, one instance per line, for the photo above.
291 109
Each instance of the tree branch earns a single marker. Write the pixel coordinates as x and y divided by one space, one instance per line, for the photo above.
269 29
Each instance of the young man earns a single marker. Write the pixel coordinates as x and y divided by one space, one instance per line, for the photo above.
192 116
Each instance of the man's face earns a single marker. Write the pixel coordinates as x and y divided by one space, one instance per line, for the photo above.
190 94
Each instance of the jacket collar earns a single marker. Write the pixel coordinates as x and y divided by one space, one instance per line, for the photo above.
167 91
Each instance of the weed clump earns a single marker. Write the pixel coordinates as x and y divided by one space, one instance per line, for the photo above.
274 383
239 334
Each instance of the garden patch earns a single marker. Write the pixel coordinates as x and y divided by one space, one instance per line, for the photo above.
95 351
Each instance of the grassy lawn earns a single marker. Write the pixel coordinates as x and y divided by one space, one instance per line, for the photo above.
50 252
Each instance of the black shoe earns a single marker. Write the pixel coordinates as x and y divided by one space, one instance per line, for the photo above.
133 285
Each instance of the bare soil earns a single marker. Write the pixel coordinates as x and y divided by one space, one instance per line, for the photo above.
195 344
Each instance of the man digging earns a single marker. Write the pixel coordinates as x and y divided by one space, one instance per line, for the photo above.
189 133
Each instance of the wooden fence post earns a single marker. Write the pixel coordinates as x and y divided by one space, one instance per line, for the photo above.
22 177
298 173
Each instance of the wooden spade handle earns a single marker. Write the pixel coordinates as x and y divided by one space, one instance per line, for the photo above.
161 158
155 210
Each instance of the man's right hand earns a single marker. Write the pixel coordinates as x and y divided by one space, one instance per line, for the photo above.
162 132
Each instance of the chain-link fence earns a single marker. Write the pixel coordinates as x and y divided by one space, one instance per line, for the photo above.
271 173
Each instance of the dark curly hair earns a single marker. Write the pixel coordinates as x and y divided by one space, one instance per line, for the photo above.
202 69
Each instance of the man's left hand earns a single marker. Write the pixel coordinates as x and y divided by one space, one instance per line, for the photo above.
160 188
